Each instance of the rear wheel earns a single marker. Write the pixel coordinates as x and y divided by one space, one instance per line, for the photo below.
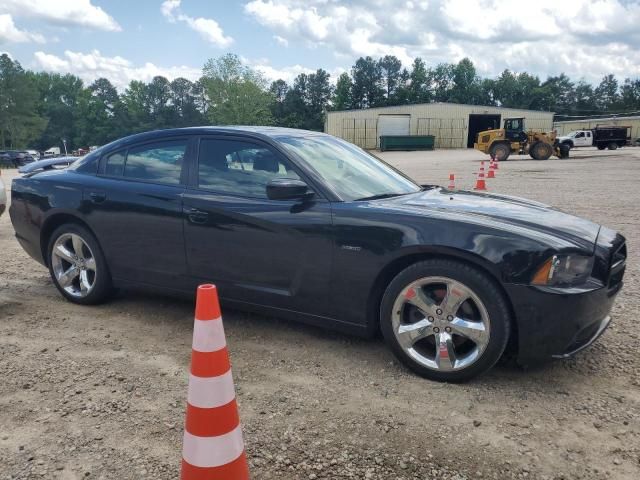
541 151
613 146
445 320
77 265
601 147
500 151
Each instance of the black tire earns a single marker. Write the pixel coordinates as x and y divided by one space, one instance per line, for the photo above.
102 286
601 147
613 146
484 287
568 143
541 151
500 151
564 151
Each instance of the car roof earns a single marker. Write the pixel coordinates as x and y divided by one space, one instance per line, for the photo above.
254 131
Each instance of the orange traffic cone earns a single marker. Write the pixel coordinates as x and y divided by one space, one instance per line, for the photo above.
452 181
490 173
213 448
495 162
480 182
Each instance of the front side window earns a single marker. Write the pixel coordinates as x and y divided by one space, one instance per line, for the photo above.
159 162
239 168
580 135
115 164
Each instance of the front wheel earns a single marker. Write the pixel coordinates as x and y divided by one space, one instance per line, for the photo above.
541 151
500 151
445 320
77 265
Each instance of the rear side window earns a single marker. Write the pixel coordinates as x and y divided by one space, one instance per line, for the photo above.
159 162
115 164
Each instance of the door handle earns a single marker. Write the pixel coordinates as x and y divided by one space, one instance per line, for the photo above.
97 197
197 216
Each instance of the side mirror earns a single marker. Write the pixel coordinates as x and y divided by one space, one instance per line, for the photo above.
287 189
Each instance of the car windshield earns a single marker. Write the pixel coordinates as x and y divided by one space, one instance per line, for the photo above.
350 171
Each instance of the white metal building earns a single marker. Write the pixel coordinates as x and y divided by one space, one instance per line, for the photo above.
453 125
589 123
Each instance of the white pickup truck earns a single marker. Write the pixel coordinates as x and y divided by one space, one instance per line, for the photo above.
610 137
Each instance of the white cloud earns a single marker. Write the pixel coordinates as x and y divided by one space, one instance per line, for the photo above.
208 28
62 12
281 40
583 38
288 74
119 70
10 33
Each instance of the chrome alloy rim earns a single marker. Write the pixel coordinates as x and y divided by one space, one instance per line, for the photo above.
74 265
441 323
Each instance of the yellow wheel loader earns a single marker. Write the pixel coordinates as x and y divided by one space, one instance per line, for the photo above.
513 138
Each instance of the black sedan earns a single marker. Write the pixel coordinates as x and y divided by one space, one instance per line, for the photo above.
307 226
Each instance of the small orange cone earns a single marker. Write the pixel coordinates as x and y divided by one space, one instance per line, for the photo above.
495 162
490 173
452 181
213 448
480 182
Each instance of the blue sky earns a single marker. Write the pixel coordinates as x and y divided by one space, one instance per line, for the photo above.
137 39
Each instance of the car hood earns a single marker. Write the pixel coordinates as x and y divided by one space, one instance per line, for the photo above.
503 209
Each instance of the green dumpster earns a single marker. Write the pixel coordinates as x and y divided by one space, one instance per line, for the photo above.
406 142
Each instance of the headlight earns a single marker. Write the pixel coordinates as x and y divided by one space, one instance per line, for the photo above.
564 270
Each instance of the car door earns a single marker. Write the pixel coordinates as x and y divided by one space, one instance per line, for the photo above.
580 140
588 139
135 208
260 251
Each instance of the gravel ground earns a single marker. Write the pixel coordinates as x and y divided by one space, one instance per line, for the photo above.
99 392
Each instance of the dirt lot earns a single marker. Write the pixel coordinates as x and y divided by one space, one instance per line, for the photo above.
100 392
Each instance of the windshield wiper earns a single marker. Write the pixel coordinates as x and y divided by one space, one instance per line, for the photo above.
379 196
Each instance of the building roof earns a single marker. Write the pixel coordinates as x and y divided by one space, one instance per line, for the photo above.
439 103
599 119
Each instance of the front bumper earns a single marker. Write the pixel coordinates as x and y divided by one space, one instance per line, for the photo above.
557 323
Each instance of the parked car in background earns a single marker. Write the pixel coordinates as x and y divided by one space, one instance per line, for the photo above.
52 152
15 158
308 226
5 160
34 153
3 195
610 137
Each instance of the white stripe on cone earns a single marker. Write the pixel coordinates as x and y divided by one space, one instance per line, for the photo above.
208 335
211 392
208 452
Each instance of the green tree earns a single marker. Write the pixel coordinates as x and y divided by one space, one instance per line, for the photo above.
584 99
465 87
367 80
58 97
441 79
236 94
342 99
390 68
607 97
101 115
278 91
630 94
419 90
20 124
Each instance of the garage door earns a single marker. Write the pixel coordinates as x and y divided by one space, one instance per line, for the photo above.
393 125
